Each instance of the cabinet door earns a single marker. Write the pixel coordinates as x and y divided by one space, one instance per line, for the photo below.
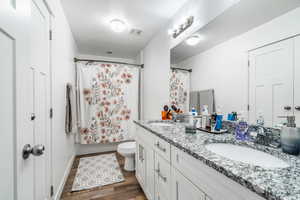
183 189
297 80
150 173
162 179
140 171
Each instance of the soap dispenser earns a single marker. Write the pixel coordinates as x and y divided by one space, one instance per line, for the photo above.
290 136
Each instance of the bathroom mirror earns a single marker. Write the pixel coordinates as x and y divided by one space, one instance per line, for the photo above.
246 68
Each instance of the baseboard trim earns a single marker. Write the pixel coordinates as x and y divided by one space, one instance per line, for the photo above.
64 179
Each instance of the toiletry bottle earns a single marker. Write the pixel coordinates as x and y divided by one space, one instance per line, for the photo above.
218 125
290 136
218 118
194 112
212 121
241 130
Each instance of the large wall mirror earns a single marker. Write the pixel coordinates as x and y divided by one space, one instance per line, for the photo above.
243 67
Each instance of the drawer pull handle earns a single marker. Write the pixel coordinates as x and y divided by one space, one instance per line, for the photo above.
160 148
160 175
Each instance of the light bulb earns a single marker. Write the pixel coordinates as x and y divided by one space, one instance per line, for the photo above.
193 40
117 25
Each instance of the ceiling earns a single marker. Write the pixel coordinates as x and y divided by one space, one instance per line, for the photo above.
89 21
240 18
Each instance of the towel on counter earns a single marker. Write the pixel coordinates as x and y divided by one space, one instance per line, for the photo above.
70 121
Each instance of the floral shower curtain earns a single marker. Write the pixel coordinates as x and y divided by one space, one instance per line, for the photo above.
107 102
180 89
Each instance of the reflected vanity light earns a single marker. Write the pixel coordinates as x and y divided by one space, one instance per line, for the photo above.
175 32
193 40
118 25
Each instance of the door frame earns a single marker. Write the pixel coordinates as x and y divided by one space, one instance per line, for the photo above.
47 5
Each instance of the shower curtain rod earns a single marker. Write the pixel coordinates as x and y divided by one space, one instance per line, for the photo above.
175 68
106 61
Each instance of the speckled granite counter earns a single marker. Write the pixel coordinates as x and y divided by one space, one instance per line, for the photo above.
272 184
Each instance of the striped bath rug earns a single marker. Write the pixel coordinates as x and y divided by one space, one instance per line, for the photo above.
97 171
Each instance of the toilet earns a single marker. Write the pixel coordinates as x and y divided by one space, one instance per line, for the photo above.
127 150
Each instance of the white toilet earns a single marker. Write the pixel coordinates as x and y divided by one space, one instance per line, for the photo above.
127 149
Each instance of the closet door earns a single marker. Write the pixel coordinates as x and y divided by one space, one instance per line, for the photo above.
271 82
297 80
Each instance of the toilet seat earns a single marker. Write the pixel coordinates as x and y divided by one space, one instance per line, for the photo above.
127 147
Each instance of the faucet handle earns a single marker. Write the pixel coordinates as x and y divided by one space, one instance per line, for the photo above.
290 120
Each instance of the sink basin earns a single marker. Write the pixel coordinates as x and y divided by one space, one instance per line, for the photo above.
161 124
246 155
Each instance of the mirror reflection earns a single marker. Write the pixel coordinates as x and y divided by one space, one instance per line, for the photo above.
230 67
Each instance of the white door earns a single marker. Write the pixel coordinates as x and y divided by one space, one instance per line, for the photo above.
15 126
40 85
271 82
183 189
22 82
297 81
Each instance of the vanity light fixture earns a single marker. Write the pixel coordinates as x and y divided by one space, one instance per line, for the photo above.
193 40
117 25
182 27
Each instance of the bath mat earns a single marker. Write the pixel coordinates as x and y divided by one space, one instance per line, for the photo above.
97 171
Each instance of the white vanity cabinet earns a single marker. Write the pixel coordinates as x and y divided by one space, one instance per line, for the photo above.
168 173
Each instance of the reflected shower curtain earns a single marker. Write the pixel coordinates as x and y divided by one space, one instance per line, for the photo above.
180 89
107 102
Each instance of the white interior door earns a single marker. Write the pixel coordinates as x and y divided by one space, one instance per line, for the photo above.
297 81
16 130
24 84
7 108
40 69
271 82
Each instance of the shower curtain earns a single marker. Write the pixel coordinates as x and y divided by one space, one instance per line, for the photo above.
180 89
107 99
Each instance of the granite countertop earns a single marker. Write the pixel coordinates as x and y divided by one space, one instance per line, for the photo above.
272 184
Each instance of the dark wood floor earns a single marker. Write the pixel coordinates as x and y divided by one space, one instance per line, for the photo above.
127 190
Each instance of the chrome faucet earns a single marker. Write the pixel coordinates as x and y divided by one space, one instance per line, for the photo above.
265 136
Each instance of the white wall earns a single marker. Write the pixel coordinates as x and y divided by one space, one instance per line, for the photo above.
156 55
224 67
96 148
63 51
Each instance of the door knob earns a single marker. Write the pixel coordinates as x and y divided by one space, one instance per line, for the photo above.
288 108
297 108
37 150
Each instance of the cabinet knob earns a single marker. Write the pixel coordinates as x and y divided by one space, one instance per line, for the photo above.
297 108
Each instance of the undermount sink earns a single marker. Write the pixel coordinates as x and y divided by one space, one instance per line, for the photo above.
161 124
246 155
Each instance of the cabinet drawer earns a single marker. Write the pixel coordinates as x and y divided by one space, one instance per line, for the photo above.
215 185
159 145
162 175
146 136
162 147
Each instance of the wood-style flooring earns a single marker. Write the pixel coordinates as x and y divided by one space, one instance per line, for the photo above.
127 190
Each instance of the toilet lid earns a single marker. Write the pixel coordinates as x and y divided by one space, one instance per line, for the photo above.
127 145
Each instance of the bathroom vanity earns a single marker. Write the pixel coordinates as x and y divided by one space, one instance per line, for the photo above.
173 165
